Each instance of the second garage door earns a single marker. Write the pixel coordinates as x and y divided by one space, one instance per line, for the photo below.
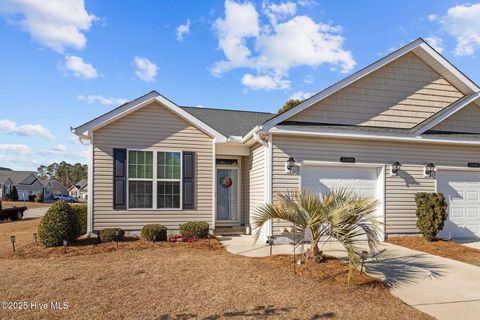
462 191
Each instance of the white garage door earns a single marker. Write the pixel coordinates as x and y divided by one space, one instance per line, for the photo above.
365 181
462 191
323 179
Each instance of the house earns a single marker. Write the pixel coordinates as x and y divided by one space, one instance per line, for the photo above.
408 123
6 185
52 188
26 183
79 189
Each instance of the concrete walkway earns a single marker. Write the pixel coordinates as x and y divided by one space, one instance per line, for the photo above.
443 288
35 212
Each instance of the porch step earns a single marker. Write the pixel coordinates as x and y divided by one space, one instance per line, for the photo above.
229 230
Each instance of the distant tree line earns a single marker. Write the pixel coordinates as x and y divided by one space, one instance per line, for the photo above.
63 172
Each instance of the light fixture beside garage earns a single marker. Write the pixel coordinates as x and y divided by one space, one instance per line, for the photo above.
396 168
430 170
290 164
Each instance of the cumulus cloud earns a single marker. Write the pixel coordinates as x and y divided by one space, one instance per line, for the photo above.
79 68
462 22
104 101
272 49
146 70
56 24
183 30
435 42
264 82
300 95
62 151
26 130
15 148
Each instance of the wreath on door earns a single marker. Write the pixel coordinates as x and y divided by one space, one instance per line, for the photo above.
226 182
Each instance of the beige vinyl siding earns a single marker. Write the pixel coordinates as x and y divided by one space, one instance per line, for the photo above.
253 182
399 95
155 128
400 191
465 120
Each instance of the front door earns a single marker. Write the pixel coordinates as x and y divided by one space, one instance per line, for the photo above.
228 196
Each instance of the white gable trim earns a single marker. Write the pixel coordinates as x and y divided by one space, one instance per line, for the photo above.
455 107
419 43
86 129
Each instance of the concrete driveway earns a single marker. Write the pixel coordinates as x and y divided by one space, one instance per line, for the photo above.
443 288
35 212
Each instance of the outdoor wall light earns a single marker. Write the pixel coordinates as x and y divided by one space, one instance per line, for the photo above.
396 168
430 170
290 164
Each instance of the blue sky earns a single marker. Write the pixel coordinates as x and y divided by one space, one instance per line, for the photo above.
66 62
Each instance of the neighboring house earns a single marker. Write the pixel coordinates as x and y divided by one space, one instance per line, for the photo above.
407 123
6 185
26 182
52 188
79 189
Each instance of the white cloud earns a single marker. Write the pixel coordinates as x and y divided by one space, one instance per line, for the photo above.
146 69
26 130
183 30
435 42
104 101
60 151
79 68
265 82
15 148
300 95
240 23
463 23
272 49
277 12
309 79
432 17
56 24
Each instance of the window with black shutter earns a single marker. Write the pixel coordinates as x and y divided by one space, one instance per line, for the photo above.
119 179
188 180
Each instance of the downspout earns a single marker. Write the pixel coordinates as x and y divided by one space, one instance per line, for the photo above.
267 144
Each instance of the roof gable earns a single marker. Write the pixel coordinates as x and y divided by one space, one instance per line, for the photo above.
86 129
418 47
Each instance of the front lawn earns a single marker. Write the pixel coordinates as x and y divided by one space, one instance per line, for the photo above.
443 248
143 280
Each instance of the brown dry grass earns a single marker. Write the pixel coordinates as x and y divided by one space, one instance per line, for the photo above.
142 280
22 230
443 248
28 204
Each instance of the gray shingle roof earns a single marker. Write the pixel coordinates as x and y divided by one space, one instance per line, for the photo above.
81 184
229 122
19 176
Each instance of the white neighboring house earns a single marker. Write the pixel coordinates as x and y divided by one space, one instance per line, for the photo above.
26 182
79 190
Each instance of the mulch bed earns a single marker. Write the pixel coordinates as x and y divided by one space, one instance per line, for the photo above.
443 248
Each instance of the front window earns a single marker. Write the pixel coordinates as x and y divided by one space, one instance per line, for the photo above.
154 186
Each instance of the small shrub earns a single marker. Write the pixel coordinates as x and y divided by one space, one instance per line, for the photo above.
39 196
14 194
431 213
156 232
81 212
198 229
58 224
108 234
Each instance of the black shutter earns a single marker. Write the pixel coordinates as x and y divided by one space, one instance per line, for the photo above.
188 180
119 178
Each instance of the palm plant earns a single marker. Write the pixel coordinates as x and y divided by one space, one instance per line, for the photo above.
341 214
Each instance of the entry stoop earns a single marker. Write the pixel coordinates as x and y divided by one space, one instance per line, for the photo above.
229 230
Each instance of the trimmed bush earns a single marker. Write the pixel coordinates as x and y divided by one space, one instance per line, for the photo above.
14 194
431 213
155 232
81 212
198 229
108 234
39 196
58 224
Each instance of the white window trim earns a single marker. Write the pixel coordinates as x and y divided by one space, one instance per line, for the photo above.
154 180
